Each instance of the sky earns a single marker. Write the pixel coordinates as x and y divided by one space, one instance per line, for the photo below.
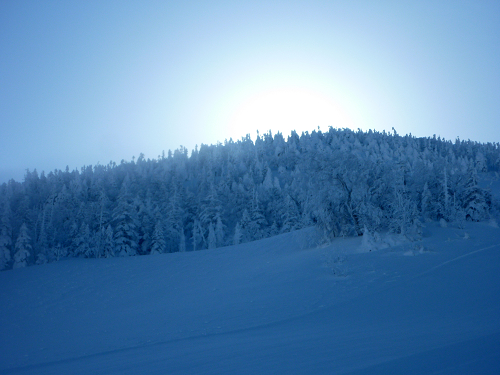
86 83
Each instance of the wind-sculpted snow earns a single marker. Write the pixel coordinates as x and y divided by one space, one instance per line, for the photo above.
278 305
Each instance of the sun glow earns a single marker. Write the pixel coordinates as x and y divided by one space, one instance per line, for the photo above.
285 110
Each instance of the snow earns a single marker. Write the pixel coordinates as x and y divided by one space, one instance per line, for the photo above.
278 305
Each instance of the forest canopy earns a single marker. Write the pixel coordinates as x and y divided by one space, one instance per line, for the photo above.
342 181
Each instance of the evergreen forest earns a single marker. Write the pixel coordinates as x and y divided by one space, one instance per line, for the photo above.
344 182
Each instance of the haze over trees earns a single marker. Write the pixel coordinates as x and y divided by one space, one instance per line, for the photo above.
342 181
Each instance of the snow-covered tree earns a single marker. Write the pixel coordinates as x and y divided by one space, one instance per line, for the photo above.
42 244
257 226
371 240
5 239
267 184
339 180
212 239
174 223
473 201
197 238
244 224
158 244
445 197
238 235
425 203
108 243
404 214
23 247
146 224
182 241
85 243
126 237
219 232
290 215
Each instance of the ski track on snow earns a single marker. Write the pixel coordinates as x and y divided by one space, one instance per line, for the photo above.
457 258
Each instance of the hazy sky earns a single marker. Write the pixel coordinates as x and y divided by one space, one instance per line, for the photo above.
86 82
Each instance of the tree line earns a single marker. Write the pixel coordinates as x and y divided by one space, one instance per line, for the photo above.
344 182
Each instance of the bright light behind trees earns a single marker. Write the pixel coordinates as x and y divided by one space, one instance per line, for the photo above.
86 83
285 110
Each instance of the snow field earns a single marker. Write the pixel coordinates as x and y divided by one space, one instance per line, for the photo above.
279 305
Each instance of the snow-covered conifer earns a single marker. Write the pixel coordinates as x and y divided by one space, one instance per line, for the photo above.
158 244
126 237
403 213
237 237
339 180
425 203
267 184
5 239
108 244
58 251
481 164
219 232
211 208
445 197
84 242
257 225
182 241
174 222
290 215
212 239
146 224
42 244
23 247
197 238
473 201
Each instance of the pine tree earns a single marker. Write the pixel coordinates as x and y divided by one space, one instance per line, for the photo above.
197 238
146 227
473 201
211 208
481 164
158 244
267 184
126 236
108 245
182 241
245 224
212 239
5 258
82 242
23 247
238 235
42 244
256 228
219 232
5 238
103 203
458 214
445 197
340 181
425 203
174 223
290 215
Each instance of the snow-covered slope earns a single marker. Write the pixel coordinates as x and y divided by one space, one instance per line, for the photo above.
282 305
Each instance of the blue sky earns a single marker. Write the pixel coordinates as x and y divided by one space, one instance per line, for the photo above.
88 82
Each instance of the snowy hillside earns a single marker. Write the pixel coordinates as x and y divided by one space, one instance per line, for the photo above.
282 305
327 253
343 182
